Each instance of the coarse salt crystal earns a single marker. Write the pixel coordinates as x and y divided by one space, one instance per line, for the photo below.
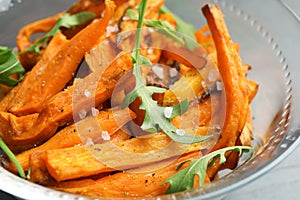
219 86
125 18
168 112
87 93
180 132
150 50
95 111
173 72
159 71
105 135
151 30
110 29
82 114
89 142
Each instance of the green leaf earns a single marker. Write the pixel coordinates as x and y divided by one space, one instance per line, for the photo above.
185 28
165 28
180 108
144 61
132 14
129 98
154 114
71 21
184 179
13 158
67 21
9 65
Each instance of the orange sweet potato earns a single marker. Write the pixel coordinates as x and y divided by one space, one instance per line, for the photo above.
234 80
28 60
38 169
66 106
80 161
231 70
53 47
33 93
143 182
75 134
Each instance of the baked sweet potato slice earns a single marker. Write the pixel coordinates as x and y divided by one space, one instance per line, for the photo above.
82 161
37 88
53 47
76 134
234 79
143 182
29 59
67 106
233 76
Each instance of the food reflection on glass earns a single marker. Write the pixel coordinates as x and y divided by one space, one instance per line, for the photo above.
124 99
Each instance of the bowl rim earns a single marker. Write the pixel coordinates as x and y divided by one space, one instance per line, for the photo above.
21 188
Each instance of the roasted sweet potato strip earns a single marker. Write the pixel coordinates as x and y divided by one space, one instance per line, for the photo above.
38 169
77 133
252 89
231 70
67 105
39 87
146 182
9 121
76 162
234 80
28 60
53 47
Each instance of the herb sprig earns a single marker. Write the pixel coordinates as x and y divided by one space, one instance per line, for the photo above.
155 115
67 21
184 179
184 34
12 157
183 27
9 65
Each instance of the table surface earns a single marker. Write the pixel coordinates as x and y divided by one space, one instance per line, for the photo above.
282 182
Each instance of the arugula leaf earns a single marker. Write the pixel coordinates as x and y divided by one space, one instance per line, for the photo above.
67 21
132 14
185 28
162 26
9 65
12 157
184 179
155 115
184 34
167 29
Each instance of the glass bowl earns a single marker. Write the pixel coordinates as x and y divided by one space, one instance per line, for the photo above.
263 43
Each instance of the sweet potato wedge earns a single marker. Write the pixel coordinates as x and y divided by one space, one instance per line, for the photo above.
76 134
231 70
143 182
33 93
38 169
29 59
53 47
81 161
234 80
67 106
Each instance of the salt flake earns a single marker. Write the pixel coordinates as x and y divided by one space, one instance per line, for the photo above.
180 132
105 135
168 112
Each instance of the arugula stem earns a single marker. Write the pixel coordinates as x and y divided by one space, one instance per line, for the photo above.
12 157
136 53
